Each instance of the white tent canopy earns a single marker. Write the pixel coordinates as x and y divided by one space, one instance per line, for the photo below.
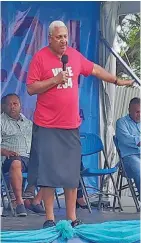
128 7
110 12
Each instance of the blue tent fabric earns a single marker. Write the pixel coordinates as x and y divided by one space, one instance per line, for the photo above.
107 232
24 31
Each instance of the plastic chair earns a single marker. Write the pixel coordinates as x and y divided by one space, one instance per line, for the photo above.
122 174
92 144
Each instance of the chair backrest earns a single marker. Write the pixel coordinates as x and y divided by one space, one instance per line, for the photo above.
116 145
120 163
91 144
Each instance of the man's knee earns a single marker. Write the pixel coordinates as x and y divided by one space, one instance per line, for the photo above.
136 166
15 165
132 165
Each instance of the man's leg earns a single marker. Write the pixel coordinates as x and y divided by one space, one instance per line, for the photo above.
132 167
38 198
80 202
29 191
35 203
48 198
70 199
15 173
79 191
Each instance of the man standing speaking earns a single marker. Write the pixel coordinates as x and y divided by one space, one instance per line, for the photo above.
56 150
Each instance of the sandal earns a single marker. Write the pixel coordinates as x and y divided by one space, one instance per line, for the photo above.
48 223
76 223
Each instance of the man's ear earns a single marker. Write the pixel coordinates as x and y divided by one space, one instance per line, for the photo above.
49 39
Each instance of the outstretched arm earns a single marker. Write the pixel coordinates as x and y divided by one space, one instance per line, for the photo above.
101 73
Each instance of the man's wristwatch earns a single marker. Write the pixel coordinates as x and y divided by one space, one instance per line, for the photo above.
116 82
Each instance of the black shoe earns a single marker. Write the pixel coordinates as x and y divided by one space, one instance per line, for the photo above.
76 223
36 208
78 205
48 223
21 211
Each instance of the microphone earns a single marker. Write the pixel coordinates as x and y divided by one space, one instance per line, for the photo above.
64 60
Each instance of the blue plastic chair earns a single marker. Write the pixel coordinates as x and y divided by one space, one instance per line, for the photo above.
122 174
92 144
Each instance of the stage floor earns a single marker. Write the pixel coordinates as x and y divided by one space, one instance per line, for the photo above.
35 221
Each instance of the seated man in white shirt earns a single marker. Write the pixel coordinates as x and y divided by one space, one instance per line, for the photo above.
16 134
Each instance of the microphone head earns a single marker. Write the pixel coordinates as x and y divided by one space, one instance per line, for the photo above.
64 59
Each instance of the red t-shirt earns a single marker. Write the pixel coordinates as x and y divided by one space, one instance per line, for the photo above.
59 106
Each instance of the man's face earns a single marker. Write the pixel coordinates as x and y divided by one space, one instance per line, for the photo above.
13 107
134 112
59 40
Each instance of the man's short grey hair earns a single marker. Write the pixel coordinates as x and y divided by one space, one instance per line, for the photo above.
54 25
134 101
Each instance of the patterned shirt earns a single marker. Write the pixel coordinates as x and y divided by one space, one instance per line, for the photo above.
16 135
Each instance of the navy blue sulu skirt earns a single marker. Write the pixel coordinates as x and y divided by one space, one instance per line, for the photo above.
55 158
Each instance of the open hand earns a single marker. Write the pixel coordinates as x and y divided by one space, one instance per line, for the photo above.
121 82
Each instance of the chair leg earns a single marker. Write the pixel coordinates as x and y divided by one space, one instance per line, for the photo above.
116 192
57 199
117 186
8 195
85 194
130 184
133 194
120 187
100 195
2 200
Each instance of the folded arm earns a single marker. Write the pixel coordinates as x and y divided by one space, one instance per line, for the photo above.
124 137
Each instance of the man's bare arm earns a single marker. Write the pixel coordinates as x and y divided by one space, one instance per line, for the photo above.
39 87
102 74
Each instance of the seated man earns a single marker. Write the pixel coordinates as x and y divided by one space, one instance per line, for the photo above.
128 135
16 133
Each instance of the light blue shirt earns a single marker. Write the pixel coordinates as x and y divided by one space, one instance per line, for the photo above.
128 135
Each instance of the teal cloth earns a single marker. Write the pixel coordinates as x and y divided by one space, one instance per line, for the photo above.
107 232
